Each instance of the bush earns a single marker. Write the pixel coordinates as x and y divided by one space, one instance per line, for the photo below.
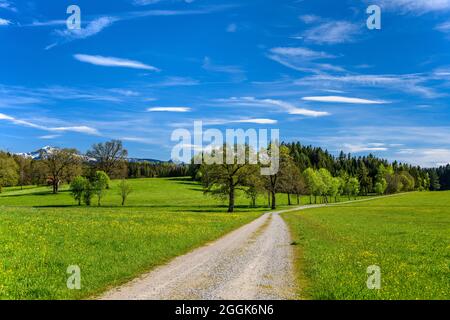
77 188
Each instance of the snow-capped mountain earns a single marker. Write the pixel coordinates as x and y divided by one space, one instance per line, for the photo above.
48 150
36 155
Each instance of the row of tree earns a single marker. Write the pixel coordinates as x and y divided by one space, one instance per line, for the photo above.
63 165
307 171
84 189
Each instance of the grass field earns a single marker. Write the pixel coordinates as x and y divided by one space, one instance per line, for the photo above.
407 236
41 234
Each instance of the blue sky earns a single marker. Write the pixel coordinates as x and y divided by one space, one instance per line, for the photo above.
138 69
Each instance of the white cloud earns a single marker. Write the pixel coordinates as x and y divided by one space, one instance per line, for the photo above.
177 82
410 83
257 121
49 137
285 106
444 27
26 123
332 32
4 22
169 109
310 18
303 59
358 148
91 29
338 99
7 5
113 62
415 6
424 157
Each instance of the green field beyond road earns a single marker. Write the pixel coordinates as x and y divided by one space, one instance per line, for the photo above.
407 236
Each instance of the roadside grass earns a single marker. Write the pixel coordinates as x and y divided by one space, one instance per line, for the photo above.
41 234
407 236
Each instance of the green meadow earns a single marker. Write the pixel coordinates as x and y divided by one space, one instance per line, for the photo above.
407 236
41 234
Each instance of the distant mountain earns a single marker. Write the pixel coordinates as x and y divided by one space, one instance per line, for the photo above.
48 150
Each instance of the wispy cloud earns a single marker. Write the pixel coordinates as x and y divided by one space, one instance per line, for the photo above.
338 99
27 123
235 71
358 148
4 22
169 109
176 82
443 27
409 83
333 32
303 59
91 29
113 62
8 5
282 105
415 6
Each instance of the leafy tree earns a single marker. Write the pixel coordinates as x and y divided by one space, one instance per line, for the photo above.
125 190
100 185
379 188
434 181
88 193
314 184
223 179
77 188
110 157
326 184
352 187
61 164
274 182
8 171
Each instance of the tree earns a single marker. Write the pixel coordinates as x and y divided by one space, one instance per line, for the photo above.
61 164
100 185
24 165
274 182
110 157
88 193
125 190
352 187
334 188
325 188
255 187
223 179
291 180
434 181
379 188
8 171
313 182
77 188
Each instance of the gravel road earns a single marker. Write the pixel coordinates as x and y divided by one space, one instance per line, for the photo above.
254 262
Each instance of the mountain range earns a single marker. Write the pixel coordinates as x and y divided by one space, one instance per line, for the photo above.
48 150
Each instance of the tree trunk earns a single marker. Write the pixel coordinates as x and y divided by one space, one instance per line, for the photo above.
298 199
289 199
315 199
274 200
231 200
268 198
